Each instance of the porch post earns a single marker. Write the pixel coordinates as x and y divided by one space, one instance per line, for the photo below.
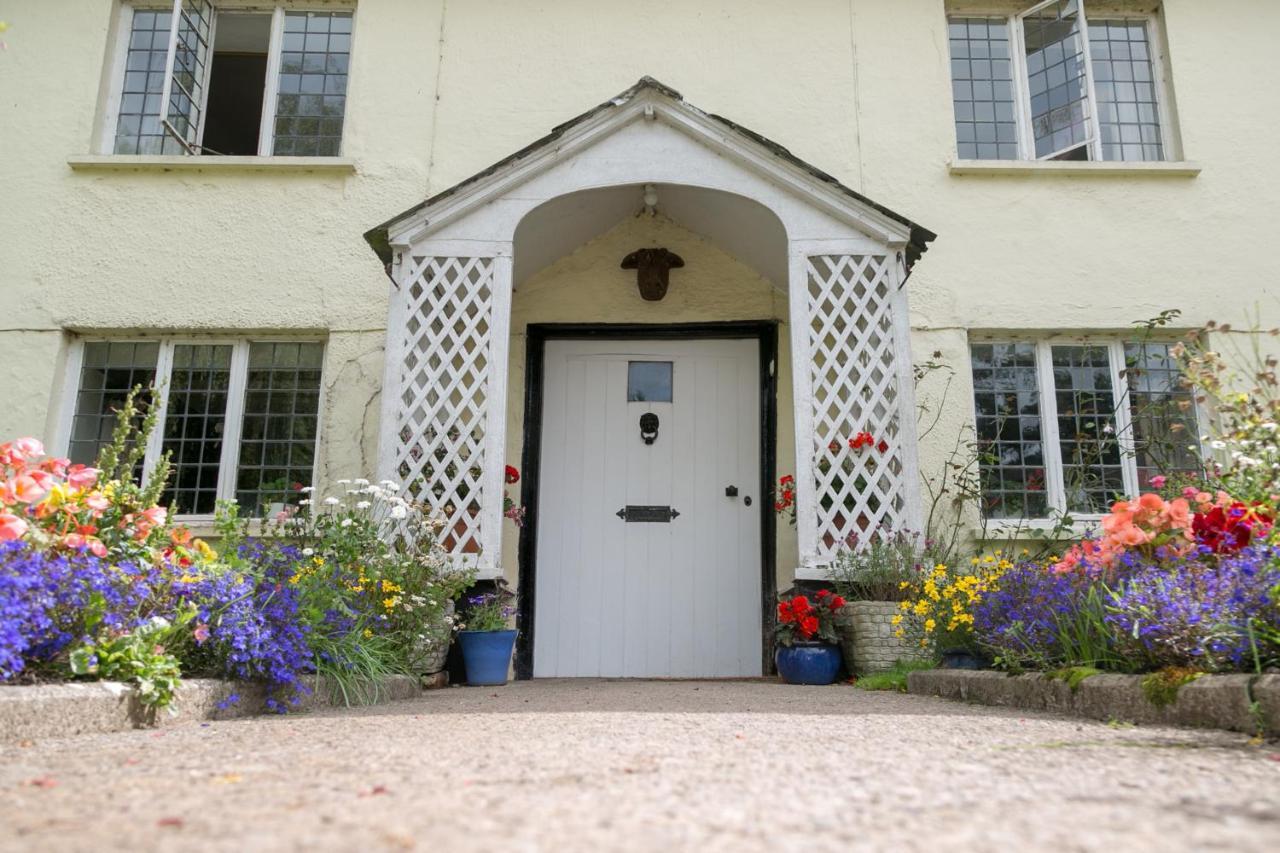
444 390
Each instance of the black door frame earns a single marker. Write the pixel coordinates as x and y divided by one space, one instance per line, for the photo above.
763 331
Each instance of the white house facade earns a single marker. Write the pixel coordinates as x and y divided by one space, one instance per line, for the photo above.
897 253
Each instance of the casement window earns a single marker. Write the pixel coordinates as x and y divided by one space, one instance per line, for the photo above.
1050 83
238 417
196 78
1067 427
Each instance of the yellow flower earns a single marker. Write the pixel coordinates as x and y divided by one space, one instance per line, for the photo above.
203 549
929 625
368 634
897 620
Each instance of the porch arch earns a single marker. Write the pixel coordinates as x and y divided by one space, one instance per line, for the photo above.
843 260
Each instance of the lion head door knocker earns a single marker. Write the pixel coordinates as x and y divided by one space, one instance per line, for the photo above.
649 427
653 268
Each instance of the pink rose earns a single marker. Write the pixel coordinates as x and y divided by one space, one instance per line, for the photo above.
81 477
1158 481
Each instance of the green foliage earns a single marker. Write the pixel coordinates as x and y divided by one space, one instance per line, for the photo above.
1161 687
882 567
894 679
141 657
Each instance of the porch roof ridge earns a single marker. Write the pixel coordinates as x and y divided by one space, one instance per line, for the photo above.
378 236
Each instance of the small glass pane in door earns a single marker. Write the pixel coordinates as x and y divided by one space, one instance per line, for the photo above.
649 382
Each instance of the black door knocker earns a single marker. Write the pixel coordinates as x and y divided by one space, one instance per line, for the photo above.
649 427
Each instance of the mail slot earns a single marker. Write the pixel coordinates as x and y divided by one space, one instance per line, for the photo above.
647 514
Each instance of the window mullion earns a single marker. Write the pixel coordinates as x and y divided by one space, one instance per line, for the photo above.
208 72
233 418
271 86
1095 146
1122 411
1054 476
160 399
1021 100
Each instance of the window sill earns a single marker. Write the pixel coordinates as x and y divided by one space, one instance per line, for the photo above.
207 163
1037 168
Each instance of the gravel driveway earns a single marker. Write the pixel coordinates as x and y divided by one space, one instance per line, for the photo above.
592 765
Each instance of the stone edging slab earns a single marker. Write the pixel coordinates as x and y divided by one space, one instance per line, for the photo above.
1241 703
61 710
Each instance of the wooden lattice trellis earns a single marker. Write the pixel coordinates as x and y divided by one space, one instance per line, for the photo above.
443 392
855 363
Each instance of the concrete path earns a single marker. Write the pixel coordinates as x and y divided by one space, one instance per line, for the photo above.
589 765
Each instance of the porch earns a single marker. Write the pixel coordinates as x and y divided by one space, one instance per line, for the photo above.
530 252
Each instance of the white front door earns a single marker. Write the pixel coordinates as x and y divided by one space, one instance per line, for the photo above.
672 588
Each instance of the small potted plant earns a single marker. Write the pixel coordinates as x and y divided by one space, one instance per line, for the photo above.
486 639
808 650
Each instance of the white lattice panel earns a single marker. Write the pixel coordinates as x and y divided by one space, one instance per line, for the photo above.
854 377
444 391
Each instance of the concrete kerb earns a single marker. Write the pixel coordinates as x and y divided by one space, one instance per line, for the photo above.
1242 703
62 710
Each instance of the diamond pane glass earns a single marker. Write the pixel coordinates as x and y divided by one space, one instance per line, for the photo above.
1058 86
1011 462
138 129
314 60
1165 436
278 433
1092 470
982 89
194 424
110 370
1128 115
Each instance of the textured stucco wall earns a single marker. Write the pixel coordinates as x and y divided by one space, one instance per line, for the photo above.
588 286
438 91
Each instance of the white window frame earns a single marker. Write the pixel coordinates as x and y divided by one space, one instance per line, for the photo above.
1021 86
229 463
271 85
1051 448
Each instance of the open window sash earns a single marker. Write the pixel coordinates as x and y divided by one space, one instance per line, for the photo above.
186 72
1059 102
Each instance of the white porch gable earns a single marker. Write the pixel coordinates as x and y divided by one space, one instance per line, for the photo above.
451 258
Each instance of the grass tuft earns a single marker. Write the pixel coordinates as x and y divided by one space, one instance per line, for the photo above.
1161 687
892 679
1074 675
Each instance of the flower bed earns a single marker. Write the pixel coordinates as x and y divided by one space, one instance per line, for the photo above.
96 583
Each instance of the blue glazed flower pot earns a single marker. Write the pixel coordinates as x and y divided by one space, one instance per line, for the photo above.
808 663
487 655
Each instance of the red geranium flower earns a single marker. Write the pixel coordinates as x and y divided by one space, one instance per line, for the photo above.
513 474
836 602
883 446
808 626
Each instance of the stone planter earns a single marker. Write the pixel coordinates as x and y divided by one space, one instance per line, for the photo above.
866 637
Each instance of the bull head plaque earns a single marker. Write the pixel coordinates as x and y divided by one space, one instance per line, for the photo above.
652 268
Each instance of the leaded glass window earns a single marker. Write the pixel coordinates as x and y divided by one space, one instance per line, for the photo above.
281 415
138 129
194 425
1066 428
1129 115
108 372
313 83
1085 400
261 396
1165 436
982 88
1010 448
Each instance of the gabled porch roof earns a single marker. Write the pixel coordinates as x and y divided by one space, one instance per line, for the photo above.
509 170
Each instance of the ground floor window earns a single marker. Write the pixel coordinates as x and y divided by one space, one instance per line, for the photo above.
239 418
1067 426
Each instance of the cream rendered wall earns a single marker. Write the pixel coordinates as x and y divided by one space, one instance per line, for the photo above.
440 89
588 286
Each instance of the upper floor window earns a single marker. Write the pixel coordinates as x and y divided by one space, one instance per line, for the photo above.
239 418
196 79
1048 83
1069 426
